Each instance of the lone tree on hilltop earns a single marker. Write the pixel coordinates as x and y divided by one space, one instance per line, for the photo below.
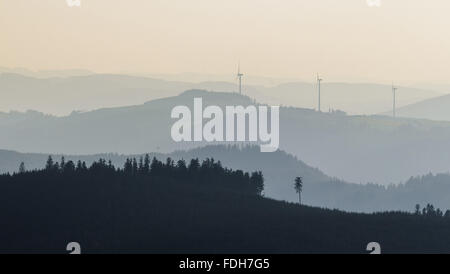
298 185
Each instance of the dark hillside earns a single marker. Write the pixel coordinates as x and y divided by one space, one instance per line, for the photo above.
196 208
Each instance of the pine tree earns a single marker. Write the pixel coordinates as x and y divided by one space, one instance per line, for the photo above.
50 164
135 167
22 168
63 163
146 164
417 211
141 165
257 182
79 166
299 188
128 167
194 165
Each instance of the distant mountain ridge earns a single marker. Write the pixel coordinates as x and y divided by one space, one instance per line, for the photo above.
46 73
358 149
279 170
434 109
61 93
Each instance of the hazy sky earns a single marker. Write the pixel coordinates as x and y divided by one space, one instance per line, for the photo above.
345 40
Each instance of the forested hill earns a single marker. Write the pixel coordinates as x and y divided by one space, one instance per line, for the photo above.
156 207
280 169
358 149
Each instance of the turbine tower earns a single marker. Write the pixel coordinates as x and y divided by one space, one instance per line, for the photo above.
394 91
239 76
319 80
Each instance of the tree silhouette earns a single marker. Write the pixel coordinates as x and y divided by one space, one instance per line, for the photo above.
69 167
128 167
22 168
117 208
417 209
298 185
63 163
147 163
135 166
447 214
141 165
257 181
49 164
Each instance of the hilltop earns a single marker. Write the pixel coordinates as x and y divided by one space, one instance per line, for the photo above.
177 208
83 91
434 109
357 149
279 171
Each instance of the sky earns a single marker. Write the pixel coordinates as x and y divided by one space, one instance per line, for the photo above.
405 41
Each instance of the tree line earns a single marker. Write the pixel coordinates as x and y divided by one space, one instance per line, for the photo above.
430 211
207 171
153 206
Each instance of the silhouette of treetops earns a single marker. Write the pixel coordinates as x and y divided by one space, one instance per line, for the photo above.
430 211
209 172
151 206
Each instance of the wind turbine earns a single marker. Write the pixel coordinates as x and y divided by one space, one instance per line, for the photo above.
319 80
239 76
394 91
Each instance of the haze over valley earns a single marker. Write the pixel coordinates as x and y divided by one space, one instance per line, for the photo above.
357 149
